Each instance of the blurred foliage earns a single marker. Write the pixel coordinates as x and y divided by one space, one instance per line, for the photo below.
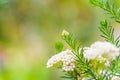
30 28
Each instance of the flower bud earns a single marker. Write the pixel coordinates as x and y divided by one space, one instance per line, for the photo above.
65 33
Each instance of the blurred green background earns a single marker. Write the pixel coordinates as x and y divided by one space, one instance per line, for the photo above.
29 30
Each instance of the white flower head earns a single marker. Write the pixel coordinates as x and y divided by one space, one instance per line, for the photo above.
115 78
66 57
98 49
91 53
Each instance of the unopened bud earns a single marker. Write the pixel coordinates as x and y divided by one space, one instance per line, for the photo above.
65 33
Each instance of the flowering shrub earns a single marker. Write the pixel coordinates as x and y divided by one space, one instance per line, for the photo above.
100 61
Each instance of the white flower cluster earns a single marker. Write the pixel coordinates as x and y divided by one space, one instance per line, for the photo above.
100 49
115 78
66 57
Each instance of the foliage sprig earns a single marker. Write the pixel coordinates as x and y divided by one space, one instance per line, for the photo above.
109 7
84 67
108 33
